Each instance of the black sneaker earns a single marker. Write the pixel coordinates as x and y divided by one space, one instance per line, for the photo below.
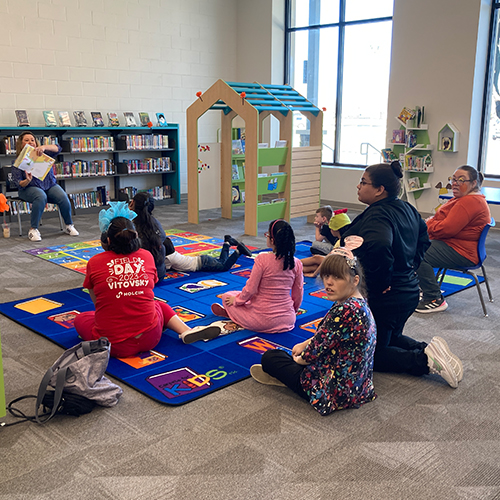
232 242
242 248
431 306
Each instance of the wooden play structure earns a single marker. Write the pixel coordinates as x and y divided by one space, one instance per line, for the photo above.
294 182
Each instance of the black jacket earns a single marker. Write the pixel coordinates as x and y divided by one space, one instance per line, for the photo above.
395 240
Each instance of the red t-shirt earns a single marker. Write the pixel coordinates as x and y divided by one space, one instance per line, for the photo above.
123 286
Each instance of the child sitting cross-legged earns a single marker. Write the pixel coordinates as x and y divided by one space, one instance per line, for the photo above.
333 370
178 262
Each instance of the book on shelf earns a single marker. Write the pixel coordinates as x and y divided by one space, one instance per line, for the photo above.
235 173
97 118
129 119
398 136
64 120
50 119
406 114
411 139
235 194
242 196
80 118
237 146
388 155
280 144
22 118
262 174
263 145
144 118
37 165
113 119
278 200
446 143
413 183
162 121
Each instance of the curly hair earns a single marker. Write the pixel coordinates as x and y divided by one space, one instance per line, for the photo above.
148 230
284 240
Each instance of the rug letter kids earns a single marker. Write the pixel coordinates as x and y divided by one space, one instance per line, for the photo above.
175 373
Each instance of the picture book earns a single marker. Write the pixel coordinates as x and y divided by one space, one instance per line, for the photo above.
50 119
388 155
22 118
64 120
263 145
406 114
129 119
235 194
235 173
162 121
280 144
97 119
113 119
65 319
237 147
411 139
413 183
80 118
398 136
144 117
29 161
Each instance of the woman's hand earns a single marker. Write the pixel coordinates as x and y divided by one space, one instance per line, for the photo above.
39 150
229 301
26 181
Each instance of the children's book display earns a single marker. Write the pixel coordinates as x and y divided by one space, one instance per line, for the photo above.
22 118
144 117
50 119
129 119
80 118
97 119
113 119
64 120
162 121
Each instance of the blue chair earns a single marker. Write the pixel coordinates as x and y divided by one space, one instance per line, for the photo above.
481 251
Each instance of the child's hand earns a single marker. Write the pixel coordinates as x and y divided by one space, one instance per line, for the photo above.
298 349
229 301
299 360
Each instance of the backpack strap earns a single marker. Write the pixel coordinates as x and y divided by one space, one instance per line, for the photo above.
60 381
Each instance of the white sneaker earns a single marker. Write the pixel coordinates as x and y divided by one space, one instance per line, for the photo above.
70 229
454 360
34 235
200 333
440 363
262 377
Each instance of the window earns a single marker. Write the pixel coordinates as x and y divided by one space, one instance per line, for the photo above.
339 59
490 143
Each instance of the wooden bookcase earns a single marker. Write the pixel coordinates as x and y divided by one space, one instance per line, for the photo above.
254 103
92 156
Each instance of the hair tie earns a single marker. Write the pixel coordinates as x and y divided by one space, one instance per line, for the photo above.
116 209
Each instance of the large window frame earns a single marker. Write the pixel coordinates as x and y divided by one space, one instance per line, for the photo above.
341 25
493 59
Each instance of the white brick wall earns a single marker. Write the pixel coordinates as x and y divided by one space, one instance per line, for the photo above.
114 55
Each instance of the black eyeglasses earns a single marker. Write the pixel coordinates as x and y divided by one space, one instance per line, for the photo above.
458 181
364 183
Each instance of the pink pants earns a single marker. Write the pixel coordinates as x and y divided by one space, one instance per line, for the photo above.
84 325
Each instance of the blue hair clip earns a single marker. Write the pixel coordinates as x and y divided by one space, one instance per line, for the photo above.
116 209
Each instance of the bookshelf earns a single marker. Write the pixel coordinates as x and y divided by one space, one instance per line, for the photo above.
415 155
254 103
101 163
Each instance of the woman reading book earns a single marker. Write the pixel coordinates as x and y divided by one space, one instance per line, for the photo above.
39 192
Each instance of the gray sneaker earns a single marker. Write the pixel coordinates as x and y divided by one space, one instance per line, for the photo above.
454 360
440 363
262 377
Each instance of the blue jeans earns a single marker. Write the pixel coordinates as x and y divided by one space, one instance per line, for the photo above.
439 254
39 198
225 261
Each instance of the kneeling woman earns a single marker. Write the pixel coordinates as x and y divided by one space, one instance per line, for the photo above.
120 282
334 369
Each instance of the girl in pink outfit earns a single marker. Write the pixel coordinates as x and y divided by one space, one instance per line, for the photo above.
271 298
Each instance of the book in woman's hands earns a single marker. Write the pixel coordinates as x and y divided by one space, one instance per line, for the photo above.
29 161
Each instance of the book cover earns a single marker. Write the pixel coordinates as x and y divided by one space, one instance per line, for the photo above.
50 119
162 122
406 114
411 139
22 118
237 147
388 155
144 117
413 183
80 118
65 319
97 119
235 194
235 173
113 119
64 120
29 161
280 144
263 145
129 119
398 136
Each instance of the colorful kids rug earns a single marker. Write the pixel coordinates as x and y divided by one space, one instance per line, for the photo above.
176 373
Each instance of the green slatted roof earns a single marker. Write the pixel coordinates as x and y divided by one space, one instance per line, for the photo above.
282 98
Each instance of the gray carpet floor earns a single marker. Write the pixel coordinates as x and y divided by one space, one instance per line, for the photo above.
420 439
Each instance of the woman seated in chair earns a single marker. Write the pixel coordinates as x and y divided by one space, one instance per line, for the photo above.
454 233
38 192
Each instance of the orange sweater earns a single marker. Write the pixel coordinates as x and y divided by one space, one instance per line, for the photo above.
459 223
